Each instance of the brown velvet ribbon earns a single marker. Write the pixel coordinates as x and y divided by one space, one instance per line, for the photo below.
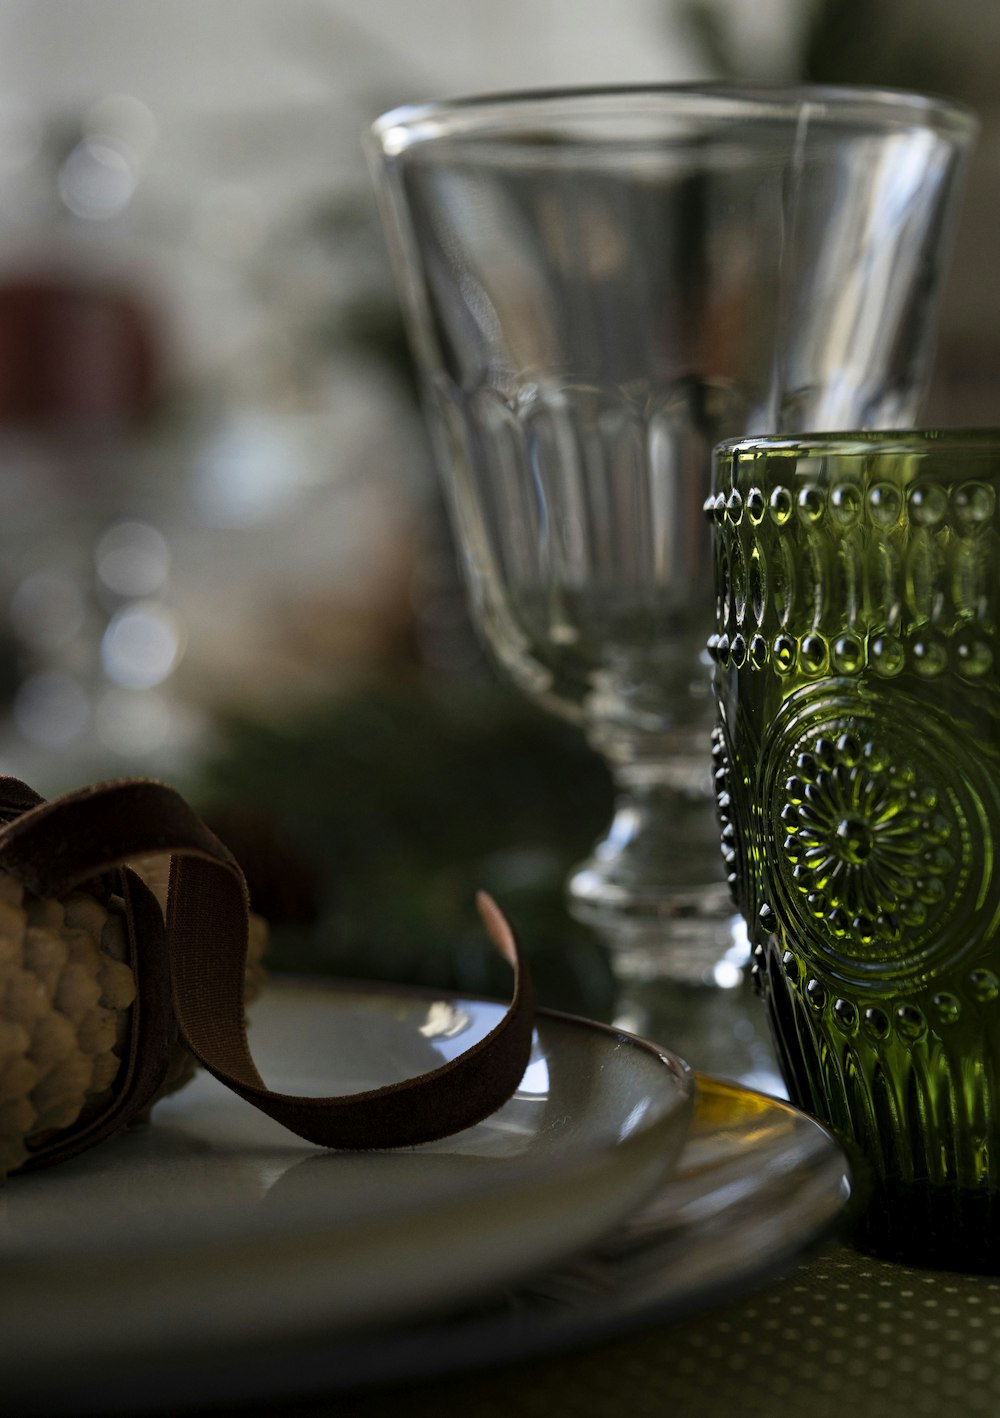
190 968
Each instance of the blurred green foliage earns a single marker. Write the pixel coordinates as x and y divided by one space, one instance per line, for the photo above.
842 42
388 807
857 42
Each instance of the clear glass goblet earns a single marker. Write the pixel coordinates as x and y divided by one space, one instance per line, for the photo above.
599 287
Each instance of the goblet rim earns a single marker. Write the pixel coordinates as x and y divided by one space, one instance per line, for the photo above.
507 117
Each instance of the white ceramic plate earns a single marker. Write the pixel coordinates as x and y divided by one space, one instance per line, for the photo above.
215 1227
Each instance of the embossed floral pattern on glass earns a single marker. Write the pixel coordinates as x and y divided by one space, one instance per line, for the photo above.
858 776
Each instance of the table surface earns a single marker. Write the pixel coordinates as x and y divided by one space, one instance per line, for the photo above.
842 1333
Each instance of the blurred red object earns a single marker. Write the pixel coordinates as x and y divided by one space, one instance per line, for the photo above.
74 353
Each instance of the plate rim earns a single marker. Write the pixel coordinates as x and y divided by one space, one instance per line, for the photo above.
310 1272
313 1363
678 1113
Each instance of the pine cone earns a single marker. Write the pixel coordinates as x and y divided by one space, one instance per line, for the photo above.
66 990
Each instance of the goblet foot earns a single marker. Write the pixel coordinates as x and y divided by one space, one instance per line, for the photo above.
723 1031
653 891
692 938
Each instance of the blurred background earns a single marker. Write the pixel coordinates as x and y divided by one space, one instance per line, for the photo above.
223 556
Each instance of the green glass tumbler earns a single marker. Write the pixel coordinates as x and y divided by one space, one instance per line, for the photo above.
858 779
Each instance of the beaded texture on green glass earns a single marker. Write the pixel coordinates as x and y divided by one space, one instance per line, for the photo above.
857 760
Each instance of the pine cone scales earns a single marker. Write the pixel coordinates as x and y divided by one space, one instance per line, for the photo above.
65 993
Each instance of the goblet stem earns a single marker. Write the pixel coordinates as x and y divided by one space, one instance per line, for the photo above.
653 887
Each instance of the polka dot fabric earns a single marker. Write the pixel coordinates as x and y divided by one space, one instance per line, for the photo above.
847 1335
843 1335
